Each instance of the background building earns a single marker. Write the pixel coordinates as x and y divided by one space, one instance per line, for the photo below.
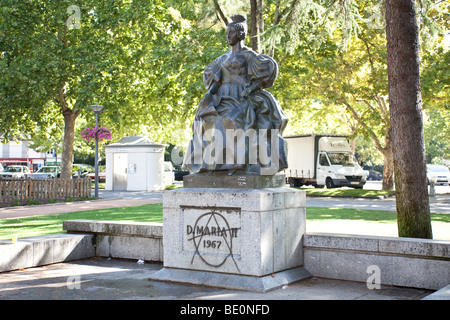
19 153
135 164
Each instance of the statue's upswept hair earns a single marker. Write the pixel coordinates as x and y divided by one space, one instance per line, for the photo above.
239 24
239 18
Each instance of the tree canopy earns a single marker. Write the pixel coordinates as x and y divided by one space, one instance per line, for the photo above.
112 53
143 60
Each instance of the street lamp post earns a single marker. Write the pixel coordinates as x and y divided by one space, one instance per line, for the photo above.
96 109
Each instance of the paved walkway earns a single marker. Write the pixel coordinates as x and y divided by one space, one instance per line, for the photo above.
108 199
110 279
115 199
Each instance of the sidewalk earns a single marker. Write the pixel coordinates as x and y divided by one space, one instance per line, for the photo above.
115 199
108 199
110 279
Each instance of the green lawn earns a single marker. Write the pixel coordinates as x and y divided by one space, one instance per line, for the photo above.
52 223
47 224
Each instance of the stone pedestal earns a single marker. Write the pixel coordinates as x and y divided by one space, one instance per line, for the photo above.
234 182
248 239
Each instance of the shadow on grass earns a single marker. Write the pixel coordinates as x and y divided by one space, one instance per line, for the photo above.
317 213
347 192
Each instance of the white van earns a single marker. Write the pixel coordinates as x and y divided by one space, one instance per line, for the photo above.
323 160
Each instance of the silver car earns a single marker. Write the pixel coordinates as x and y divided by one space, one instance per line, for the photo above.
46 172
17 172
438 173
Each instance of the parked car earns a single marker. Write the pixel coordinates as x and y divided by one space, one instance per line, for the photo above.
374 175
18 172
1 167
101 174
179 174
81 170
439 173
46 172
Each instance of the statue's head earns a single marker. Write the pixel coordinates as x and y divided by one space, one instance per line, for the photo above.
239 24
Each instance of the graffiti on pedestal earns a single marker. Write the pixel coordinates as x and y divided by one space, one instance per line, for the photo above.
213 239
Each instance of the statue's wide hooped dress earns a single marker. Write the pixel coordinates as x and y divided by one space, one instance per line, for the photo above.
227 111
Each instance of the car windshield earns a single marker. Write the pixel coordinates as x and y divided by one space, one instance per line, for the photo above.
438 169
47 169
83 168
13 169
100 169
342 158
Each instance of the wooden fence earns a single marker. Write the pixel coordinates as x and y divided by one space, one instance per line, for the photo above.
23 190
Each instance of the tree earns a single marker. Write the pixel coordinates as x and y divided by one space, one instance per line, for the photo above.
413 211
60 58
310 41
435 74
350 81
346 16
435 79
48 137
437 135
273 24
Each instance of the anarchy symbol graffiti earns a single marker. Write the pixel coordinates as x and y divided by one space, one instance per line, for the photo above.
212 237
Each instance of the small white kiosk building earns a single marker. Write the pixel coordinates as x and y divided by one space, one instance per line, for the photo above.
135 164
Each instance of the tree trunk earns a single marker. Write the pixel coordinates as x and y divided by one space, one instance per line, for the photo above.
254 37
413 210
69 136
220 13
260 21
388 170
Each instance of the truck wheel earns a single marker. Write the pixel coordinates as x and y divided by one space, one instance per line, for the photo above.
329 183
293 182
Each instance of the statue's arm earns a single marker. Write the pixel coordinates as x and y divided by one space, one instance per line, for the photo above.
255 85
212 76
262 71
214 87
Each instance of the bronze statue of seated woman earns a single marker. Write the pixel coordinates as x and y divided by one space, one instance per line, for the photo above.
238 125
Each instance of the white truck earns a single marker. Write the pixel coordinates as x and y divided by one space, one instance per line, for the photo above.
322 160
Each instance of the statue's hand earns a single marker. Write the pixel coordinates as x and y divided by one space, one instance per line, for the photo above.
246 92
254 86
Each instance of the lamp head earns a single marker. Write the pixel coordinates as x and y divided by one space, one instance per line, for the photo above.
96 108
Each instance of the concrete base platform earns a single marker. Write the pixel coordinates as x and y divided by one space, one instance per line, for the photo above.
117 279
232 281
